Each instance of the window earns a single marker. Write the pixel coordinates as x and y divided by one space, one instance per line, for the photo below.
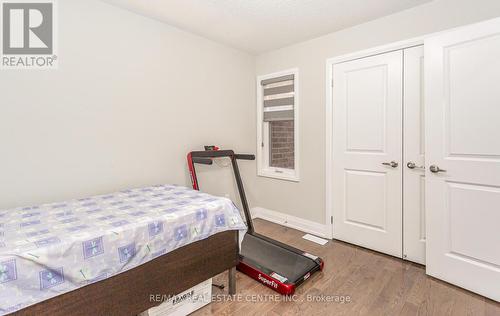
277 125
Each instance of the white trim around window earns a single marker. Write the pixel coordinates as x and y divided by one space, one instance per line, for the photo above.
263 168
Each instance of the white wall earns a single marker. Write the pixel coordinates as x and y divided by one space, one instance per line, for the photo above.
306 199
130 98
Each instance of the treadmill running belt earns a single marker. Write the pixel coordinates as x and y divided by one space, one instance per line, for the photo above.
264 255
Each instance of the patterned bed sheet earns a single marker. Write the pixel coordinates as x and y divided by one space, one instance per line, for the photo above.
51 249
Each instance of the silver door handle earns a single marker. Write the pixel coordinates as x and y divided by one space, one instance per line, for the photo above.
392 164
412 165
436 169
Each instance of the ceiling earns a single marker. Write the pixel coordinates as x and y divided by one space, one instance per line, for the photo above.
257 26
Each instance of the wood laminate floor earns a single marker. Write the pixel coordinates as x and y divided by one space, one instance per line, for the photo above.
376 284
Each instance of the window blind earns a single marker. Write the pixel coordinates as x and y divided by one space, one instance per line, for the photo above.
279 98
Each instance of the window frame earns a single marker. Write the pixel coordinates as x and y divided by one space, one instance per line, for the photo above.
263 143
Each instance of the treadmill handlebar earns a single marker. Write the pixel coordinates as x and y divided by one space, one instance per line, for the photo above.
207 154
212 153
244 157
203 161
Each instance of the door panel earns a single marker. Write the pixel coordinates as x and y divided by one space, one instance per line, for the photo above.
367 98
374 185
366 90
462 72
471 94
414 152
461 199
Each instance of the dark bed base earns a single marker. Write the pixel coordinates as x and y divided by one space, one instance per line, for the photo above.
129 293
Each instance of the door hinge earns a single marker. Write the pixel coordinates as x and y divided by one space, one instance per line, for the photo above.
331 83
331 219
262 144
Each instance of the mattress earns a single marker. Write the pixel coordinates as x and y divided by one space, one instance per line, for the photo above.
51 249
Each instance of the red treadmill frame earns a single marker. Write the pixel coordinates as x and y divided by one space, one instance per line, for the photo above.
272 283
192 172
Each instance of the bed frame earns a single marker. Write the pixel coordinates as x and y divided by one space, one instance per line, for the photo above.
131 292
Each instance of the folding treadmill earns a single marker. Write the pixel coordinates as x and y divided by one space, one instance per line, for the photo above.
272 263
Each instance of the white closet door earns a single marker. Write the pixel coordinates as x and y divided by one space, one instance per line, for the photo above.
414 158
367 134
462 86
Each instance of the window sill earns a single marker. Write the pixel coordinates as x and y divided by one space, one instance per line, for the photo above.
267 173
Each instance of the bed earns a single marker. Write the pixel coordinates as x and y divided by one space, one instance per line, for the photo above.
109 254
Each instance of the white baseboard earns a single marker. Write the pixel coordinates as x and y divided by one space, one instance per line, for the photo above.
290 221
